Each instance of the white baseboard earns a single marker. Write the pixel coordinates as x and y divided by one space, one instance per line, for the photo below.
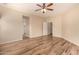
74 41
4 42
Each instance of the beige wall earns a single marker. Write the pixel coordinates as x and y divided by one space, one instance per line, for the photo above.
66 25
71 25
11 26
36 23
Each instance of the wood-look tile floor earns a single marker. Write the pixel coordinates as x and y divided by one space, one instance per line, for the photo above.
46 45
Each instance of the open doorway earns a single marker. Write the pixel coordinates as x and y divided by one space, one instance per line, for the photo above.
47 28
25 27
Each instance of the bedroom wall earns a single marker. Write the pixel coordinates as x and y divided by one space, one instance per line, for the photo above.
11 26
71 25
66 25
36 26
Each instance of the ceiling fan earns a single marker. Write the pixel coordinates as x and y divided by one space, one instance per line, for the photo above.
44 7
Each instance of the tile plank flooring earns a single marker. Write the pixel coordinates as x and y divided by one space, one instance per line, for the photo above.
46 45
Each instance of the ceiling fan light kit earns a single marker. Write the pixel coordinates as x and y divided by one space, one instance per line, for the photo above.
43 10
44 7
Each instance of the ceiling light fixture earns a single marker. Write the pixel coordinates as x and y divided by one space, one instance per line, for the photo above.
43 10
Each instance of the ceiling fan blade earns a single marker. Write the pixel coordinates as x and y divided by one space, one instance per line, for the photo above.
38 5
49 4
49 9
37 9
44 5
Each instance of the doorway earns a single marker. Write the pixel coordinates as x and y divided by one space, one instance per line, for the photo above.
47 28
25 27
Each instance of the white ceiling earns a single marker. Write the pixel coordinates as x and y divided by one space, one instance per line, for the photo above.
29 8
